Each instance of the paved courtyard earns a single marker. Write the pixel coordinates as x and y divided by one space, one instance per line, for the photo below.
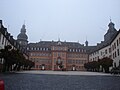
65 72
58 80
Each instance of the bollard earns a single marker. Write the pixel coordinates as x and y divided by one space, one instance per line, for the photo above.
2 85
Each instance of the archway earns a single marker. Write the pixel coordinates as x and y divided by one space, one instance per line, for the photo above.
43 67
59 63
73 68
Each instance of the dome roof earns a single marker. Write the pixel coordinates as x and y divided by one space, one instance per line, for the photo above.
22 36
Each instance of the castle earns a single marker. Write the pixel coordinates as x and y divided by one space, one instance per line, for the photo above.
59 55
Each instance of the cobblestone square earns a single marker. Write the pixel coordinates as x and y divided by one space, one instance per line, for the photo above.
37 80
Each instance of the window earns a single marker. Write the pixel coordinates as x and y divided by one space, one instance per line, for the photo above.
115 54
106 51
31 48
109 50
41 49
55 54
73 50
3 40
118 53
59 54
101 53
47 49
76 50
110 56
37 48
0 37
115 45
34 48
112 47
117 42
114 64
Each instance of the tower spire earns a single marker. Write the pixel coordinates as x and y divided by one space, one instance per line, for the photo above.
110 19
86 42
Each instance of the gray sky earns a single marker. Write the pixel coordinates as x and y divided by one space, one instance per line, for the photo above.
71 20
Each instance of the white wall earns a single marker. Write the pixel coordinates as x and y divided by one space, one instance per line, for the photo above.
115 49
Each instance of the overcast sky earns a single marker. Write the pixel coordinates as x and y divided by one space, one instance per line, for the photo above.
71 20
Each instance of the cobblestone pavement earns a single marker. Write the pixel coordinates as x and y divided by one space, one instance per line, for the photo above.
40 81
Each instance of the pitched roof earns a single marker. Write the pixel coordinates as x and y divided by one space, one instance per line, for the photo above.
56 43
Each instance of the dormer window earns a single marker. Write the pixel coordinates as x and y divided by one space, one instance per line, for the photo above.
59 42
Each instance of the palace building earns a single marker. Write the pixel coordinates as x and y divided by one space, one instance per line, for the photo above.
57 55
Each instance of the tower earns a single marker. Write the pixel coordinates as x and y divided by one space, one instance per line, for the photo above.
110 32
22 38
86 43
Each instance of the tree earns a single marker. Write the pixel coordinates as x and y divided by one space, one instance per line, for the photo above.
106 63
5 54
92 66
14 58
